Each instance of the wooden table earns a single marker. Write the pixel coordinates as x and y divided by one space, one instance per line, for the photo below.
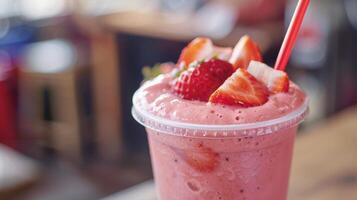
324 165
325 160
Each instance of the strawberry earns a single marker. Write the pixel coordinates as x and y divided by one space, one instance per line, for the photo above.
199 49
276 80
241 89
245 51
202 79
201 158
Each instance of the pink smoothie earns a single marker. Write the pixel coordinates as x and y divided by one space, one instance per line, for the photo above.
246 166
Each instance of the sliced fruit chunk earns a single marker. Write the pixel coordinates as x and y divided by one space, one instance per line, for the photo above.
276 80
223 53
245 51
241 89
197 50
201 80
201 158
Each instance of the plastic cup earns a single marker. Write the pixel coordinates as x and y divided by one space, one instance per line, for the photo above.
207 162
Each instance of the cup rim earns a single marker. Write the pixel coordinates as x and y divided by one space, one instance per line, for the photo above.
253 128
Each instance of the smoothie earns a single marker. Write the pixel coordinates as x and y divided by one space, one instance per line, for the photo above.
236 147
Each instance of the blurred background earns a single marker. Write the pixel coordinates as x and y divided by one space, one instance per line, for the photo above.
68 70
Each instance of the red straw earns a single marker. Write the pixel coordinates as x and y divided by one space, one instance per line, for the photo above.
291 35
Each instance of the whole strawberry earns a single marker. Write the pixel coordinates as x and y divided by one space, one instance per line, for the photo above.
202 79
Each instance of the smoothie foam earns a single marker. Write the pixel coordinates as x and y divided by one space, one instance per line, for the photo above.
157 98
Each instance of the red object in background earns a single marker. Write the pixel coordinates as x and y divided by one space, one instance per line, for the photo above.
255 12
7 117
7 104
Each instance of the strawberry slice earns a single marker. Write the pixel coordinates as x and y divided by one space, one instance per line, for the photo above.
202 79
200 48
245 51
201 158
276 80
241 89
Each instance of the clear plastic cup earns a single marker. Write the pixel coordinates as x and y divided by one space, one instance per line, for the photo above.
225 162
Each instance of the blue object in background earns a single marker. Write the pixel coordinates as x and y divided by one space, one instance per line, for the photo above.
15 37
